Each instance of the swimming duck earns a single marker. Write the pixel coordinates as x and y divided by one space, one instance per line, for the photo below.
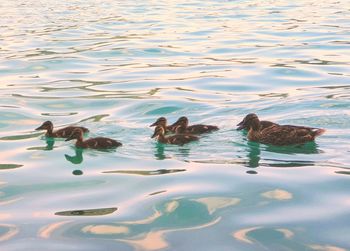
60 133
94 143
195 129
280 134
178 139
163 123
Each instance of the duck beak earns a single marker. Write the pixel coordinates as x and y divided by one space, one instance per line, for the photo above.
241 125
154 124
154 134
40 128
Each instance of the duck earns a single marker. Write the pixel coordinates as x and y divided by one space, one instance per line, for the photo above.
193 129
162 121
280 135
60 133
93 143
177 139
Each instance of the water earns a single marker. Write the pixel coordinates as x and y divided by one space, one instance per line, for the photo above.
116 66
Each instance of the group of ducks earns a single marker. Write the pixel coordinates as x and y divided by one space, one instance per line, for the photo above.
77 132
265 132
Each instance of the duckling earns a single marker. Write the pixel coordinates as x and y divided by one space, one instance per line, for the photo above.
195 129
163 122
94 143
178 139
280 134
60 133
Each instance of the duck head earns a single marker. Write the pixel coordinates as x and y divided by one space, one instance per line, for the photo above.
160 122
158 132
245 123
251 121
47 125
183 121
76 134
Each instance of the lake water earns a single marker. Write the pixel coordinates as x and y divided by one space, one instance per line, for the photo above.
116 66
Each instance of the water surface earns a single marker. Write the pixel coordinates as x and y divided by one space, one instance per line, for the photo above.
116 66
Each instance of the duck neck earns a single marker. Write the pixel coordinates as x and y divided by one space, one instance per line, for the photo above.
161 138
49 132
185 124
80 141
253 135
165 127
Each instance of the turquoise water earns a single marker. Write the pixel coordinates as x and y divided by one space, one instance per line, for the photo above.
116 66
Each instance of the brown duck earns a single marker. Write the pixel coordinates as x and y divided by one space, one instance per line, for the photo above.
94 143
60 133
178 139
194 129
163 123
280 134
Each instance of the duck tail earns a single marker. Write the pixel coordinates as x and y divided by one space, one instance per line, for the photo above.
319 132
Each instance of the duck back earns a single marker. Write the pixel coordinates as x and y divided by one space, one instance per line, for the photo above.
180 139
199 129
170 129
67 131
265 124
98 143
288 135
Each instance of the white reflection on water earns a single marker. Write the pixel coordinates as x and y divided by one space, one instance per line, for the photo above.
115 66
11 231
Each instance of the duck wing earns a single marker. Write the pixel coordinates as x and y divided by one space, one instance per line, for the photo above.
64 132
287 135
67 131
101 143
181 139
199 129
265 124
311 129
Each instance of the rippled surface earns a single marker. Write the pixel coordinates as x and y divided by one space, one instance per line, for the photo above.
115 66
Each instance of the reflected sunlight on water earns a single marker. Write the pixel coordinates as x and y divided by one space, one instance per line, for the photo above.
115 67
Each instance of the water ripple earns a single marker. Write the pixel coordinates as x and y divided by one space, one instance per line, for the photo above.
116 66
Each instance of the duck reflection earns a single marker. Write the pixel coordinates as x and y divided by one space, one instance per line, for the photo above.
184 152
179 151
159 151
254 152
77 158
253 156
77 172
307 148
50 142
